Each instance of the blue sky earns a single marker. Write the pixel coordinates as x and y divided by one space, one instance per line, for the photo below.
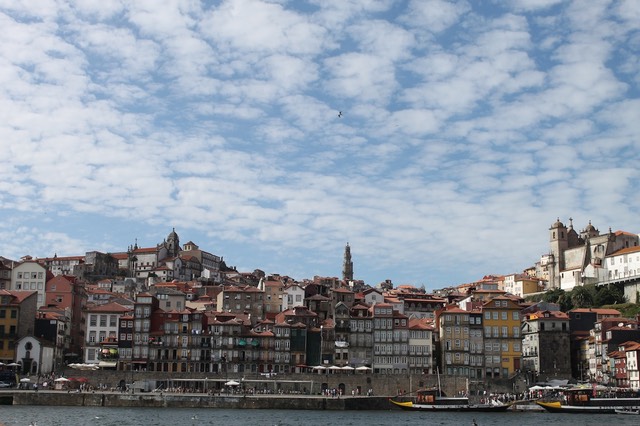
467 129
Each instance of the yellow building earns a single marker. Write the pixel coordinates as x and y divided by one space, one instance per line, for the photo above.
17 319
502 339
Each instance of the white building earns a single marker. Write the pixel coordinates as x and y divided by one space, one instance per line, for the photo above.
624 265
633 354
35 356
294 296
102 325
32 276
420 346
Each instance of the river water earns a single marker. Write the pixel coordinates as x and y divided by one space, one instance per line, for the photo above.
104 416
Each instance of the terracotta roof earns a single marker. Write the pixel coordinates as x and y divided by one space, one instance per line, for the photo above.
110 307
19 295
599 311
635 249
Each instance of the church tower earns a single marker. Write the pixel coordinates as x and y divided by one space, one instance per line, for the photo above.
558 243
173 244
347 265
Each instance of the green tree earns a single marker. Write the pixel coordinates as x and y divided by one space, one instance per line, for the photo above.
609 295
582 297
552 296
559 296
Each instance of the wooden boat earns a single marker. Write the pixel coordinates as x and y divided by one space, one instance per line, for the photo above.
595 400
433 400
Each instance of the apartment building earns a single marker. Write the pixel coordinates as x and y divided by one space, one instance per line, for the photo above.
390 340
361 336
502 338
455 343
421 346
17 320
546 345
30 275
102 326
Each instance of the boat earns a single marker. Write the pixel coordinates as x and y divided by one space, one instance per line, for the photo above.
594 400
433 400
627 411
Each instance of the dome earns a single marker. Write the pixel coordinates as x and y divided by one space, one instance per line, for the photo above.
557 224
172 235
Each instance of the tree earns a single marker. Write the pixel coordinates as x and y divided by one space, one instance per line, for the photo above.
552 296
609 295
560 297
582 297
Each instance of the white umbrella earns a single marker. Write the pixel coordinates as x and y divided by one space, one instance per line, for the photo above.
13 364
231 383
61 379
25 380
319 367
363 368
334 367
348 368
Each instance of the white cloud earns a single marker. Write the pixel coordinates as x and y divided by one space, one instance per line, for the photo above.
465 124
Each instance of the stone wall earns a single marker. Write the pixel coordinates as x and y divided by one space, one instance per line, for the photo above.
387 385
58 398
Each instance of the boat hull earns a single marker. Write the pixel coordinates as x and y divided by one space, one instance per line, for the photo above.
411 406
593 408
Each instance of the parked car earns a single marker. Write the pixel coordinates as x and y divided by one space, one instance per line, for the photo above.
5 385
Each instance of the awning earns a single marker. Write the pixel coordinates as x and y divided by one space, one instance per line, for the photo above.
242 342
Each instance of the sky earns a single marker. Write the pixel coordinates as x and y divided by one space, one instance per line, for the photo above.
439 139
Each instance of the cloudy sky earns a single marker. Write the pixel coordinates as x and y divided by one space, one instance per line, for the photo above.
467 128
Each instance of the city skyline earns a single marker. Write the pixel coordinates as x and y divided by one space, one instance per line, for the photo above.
439 139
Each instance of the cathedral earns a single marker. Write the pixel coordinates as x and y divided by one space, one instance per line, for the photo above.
578 258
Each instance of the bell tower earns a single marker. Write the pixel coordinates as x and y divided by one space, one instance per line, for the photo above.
347 264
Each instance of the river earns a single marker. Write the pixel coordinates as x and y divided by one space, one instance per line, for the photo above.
104 416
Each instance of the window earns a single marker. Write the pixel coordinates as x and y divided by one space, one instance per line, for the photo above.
93 320
515 315
504 315
487 315
103 320
495 315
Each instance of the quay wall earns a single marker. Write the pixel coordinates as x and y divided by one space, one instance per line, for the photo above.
157 400
313 383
